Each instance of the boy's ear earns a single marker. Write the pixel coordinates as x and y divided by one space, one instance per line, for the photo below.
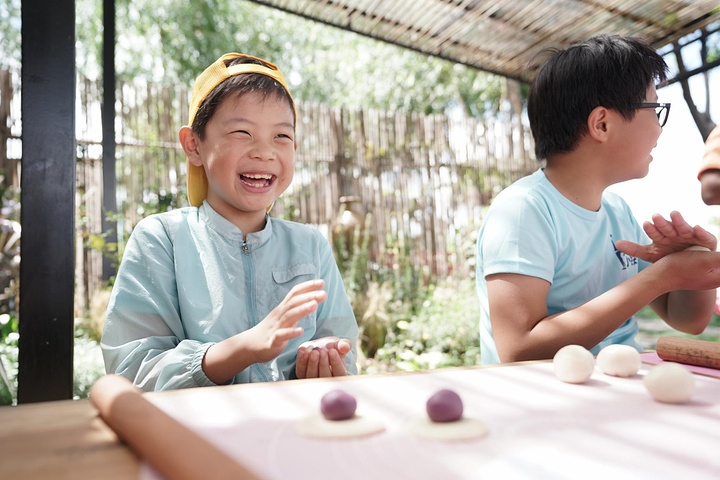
598 122
189 142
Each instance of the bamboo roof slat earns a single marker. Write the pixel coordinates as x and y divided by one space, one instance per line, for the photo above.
505 36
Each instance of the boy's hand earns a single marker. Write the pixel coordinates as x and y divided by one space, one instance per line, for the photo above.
271 335
323 357
668 237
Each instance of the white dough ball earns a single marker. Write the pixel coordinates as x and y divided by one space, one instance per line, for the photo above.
573 364
670 383
698 248
619 360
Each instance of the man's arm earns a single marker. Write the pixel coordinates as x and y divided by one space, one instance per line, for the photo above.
710 186
523 330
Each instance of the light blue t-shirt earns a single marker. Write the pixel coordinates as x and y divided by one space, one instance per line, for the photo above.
187 280
532 229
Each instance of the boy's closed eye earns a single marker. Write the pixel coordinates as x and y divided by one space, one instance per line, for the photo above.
241 131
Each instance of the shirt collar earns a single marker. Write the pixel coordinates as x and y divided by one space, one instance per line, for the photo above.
229 230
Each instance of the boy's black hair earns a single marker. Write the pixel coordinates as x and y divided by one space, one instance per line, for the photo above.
238 85
608 70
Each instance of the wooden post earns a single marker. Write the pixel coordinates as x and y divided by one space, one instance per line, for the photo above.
108 127
48 201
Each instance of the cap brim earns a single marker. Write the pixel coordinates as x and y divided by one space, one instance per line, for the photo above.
197 184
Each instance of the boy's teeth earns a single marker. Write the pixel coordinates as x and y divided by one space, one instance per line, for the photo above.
261 180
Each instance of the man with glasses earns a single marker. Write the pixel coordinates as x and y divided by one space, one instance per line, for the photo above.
560 260
662 110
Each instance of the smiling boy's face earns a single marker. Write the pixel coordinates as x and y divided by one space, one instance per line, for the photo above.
248 154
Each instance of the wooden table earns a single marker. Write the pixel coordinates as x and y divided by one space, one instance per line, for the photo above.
607 426
61 440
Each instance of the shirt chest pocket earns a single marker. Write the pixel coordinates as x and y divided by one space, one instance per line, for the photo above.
294 274
286 278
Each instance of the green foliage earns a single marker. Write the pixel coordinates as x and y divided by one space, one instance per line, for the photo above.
10 34
8 360
88 364
174 40
443 333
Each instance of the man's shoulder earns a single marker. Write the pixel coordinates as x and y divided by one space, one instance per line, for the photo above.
531 189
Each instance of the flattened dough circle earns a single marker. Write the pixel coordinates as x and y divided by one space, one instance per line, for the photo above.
358 426
463 429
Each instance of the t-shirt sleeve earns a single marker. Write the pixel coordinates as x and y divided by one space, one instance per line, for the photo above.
143 336
518 236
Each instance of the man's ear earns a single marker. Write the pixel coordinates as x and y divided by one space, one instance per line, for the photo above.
189 142
599 123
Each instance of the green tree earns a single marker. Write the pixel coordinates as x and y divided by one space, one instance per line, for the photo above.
173 40
10 34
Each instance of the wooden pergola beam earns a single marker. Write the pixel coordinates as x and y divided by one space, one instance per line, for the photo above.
47 269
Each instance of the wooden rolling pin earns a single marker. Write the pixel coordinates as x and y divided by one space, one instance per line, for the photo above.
690 351
175 451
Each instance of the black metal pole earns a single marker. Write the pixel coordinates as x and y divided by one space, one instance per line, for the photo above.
108 127
47 269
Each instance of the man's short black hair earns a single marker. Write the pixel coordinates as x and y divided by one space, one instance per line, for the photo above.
608 70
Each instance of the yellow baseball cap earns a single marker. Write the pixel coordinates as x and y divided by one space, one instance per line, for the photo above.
213 76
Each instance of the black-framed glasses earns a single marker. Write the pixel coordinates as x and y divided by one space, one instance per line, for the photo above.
662 110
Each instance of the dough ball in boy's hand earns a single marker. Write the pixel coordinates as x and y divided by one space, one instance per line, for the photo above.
573 364
444 406
698 248
338 405
619 360
670 383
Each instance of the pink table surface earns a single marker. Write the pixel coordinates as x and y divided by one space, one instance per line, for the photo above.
539 427
653 359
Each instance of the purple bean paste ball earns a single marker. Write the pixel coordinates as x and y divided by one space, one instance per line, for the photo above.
445 406
338 405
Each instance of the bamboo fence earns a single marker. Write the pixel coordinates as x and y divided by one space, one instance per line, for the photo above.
412 187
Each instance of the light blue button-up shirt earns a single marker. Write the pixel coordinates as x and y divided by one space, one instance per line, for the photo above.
188 280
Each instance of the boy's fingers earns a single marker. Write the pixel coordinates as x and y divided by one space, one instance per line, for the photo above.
327 342
344 346
665 227
287 334
324 364
312 366
626 247
337 363
294 315
300 299
301 362
309 286
677 218
704 235
652 232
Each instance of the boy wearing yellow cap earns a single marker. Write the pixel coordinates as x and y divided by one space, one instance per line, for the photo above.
220 292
